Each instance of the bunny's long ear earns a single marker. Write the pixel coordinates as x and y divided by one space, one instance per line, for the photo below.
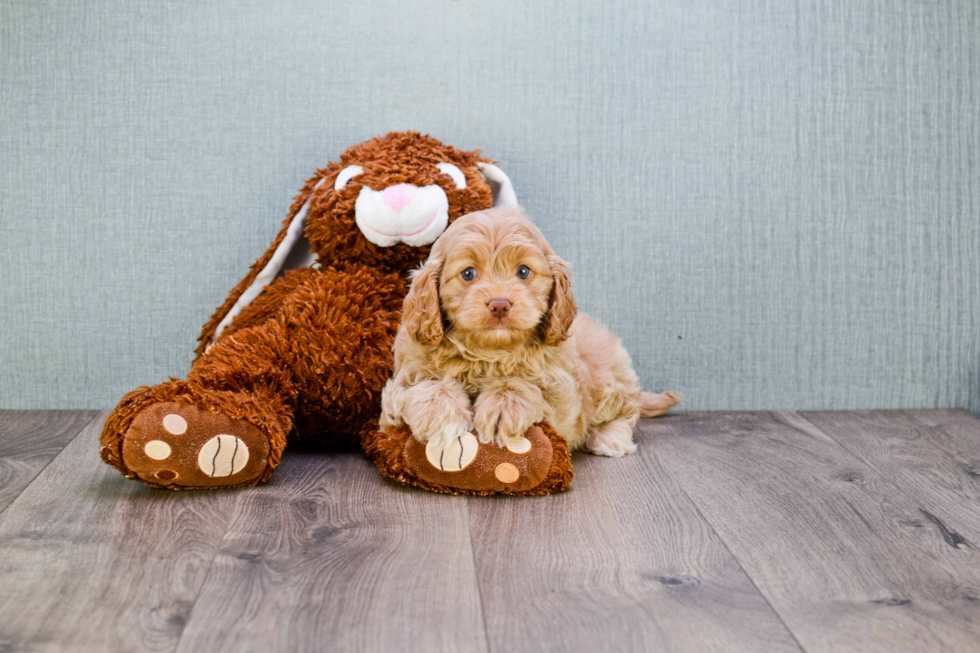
500 186
289 250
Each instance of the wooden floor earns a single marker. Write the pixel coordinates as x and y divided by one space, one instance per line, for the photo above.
854 531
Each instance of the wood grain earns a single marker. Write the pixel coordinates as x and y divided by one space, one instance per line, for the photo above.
620 562
934 455
93 562
726 531
841 552
29 440
329 556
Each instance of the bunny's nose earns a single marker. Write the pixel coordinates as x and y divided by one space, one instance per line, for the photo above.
399 196
499 307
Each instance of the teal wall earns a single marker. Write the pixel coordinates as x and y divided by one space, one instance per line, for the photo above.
774 204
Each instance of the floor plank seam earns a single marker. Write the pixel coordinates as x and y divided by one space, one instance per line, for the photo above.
207 573
863 526
476 574
730 552
40 470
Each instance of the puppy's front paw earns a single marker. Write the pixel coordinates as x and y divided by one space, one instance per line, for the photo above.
447 436
440 418
505 416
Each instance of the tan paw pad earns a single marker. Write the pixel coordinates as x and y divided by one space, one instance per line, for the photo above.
223 455
519 446
456 457
506 473
157 449
175 424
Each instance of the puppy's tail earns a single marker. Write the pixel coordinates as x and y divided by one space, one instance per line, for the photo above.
653 405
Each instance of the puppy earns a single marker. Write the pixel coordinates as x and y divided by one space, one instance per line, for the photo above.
490 341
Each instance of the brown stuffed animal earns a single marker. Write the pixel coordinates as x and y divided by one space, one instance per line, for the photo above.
301 348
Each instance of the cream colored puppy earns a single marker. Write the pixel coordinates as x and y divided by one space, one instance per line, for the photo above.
490 341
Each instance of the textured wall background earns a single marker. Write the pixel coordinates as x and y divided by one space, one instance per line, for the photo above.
775 204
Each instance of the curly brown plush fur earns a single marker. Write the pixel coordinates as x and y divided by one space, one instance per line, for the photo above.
310 356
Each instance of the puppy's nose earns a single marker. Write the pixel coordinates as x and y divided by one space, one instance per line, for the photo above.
399 196
499 307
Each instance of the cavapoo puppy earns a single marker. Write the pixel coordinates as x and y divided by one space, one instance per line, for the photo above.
490 341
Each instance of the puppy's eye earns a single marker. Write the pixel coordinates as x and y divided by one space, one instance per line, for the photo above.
523 272
468 274
346 175
454 172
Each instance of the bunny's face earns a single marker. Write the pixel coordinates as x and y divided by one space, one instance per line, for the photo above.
389 199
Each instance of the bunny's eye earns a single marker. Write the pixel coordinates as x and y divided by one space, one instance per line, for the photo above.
523 272
468 274
454 172
346 175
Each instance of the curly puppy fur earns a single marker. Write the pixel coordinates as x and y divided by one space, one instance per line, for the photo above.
310 356
490 340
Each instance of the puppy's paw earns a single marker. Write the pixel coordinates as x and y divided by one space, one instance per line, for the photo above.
505 416
440 417
614 439
448 436
442 430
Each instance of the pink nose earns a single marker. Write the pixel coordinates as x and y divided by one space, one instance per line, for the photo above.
399 196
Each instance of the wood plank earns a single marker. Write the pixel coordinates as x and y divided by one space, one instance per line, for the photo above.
29 440
934 455
837 548
622 561
90 561
332 557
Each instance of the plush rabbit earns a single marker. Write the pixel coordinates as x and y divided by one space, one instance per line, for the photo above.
301 348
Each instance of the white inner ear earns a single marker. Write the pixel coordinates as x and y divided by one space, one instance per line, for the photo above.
294 237
503 190
454 172
346 175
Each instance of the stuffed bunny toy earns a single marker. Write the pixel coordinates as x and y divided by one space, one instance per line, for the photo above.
301 348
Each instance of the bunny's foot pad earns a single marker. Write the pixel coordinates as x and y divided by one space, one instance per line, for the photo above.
537 464
177 446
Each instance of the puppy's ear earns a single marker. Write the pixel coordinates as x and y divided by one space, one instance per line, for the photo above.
561 307
421 313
